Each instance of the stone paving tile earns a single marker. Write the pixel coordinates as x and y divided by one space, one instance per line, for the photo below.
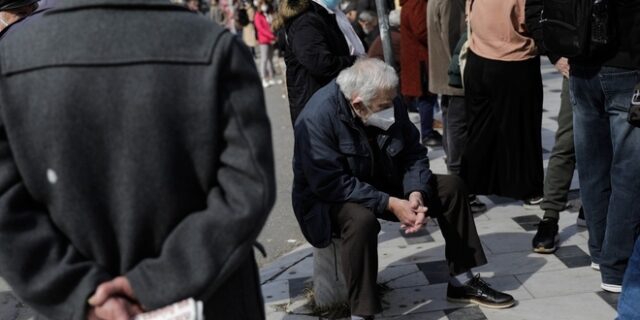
610 298
528 222
276 292
419 237
573 256
428 252
12 309
4 286
473 313
402 277
523 262
585 306
417 300
438 315
561 283
302 269
298 285
273 269
435 271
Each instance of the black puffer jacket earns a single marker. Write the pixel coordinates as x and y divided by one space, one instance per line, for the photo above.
316 50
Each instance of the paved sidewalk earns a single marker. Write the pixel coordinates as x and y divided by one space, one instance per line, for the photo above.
558 286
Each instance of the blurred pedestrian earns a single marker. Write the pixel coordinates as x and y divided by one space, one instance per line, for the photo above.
503 91
320 43
375 51
136 162
607 146
414 67
266 40
445 25
369 23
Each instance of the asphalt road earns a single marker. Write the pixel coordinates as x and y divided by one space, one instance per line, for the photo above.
281 233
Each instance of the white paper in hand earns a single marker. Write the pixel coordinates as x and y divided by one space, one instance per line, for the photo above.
184 310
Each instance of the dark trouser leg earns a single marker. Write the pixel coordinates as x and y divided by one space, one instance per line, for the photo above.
456 128
444 105
359 230
451 207
562 162
426 105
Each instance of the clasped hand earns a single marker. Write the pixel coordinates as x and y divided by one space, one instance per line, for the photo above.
411 213
114 300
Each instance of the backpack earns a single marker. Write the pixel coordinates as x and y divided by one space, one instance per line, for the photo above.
575 28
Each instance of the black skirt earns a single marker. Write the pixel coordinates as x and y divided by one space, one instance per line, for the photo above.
503 154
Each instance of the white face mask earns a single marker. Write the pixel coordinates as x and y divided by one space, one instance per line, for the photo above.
382 119
264 8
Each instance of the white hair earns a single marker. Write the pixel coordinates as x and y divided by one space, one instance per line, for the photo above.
367 78
394 18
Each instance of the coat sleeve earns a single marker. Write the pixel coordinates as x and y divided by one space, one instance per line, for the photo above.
533 11
416 163
324 167
40 264
311 48
207 246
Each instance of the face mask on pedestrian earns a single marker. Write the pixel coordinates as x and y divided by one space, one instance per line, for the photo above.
331 4
264 8
383 119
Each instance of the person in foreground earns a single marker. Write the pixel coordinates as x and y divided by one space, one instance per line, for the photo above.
125 185
358 158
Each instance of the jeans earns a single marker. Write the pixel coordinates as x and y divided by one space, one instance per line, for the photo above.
628 308
607 154
426 105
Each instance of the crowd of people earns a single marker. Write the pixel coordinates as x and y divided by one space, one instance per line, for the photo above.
150 183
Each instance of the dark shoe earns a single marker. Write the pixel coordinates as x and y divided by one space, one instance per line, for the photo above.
479 292
433 140
581 222
546 238
476 205
533 203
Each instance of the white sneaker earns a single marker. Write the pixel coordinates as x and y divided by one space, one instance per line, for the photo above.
614 288
595 266
265 84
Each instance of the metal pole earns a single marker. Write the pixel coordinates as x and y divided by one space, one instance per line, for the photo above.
385 36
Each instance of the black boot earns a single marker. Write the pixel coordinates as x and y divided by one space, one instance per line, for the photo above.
546 238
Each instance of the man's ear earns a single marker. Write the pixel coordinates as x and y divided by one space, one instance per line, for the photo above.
357 104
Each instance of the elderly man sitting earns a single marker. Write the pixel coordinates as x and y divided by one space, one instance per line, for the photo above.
359 158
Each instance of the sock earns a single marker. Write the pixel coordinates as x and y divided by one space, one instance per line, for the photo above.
550 214
461 279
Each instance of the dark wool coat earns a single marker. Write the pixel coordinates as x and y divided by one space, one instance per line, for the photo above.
133 141
316 50
414 61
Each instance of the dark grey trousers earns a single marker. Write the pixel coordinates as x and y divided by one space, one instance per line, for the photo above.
455 131
358 228
562 162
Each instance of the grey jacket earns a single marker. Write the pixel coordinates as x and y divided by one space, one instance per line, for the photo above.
445 24
133 141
